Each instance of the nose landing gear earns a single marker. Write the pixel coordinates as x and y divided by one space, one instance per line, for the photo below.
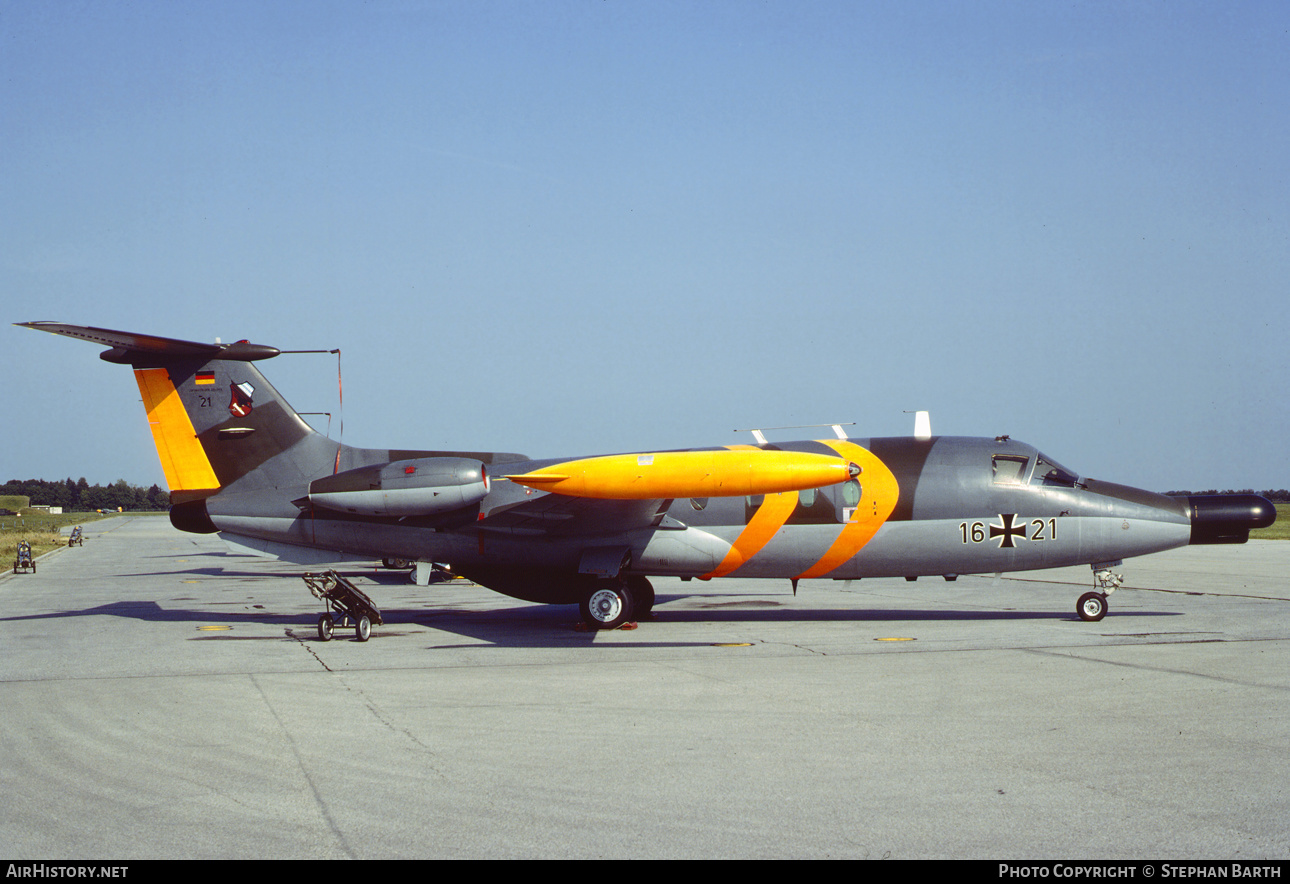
1092 606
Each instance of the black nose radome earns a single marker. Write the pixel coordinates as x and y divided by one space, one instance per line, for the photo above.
1228 518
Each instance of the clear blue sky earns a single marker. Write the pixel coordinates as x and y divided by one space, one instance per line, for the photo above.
566 228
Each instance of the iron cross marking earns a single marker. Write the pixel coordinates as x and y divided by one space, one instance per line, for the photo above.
1007 531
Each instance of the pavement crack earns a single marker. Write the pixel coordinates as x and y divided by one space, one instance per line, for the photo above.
1165 669
291 633
371 707
319 802
393 728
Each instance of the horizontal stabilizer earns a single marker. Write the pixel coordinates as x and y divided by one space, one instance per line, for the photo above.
128 347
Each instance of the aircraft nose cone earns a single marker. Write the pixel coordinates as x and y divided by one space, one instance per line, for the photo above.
1228 518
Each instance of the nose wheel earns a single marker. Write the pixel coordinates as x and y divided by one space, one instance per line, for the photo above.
1091 606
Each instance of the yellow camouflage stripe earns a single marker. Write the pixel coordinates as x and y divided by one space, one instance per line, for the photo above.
769 518
877 503
182 457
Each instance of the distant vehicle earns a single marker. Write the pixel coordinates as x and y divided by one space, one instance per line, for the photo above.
23 560
5 512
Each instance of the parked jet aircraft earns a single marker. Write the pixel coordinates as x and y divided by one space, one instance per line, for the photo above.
592 530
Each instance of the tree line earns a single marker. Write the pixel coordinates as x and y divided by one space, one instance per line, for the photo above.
79 496
1279 495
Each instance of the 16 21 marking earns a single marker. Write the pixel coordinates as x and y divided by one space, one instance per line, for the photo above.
1007 530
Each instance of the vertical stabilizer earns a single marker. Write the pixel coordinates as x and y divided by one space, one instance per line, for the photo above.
243 427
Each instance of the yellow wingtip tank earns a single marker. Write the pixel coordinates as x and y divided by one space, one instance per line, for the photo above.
680 474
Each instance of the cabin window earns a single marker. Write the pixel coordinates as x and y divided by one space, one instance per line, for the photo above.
1009 469
851 493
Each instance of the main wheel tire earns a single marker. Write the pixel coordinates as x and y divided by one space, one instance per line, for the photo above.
642 596
364 628
326 627
608 606
1091 607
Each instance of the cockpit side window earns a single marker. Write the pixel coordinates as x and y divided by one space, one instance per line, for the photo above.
1009 469
1049 472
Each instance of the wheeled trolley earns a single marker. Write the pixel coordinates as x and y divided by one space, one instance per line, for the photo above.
347 605
24 560
76 539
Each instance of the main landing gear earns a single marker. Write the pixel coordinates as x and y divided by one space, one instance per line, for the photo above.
615 602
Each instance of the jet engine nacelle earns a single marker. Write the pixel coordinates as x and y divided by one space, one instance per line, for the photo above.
422 486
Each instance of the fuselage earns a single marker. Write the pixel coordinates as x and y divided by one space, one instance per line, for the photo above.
940 506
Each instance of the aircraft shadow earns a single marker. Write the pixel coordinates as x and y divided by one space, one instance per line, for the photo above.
559 626
152 612
787 612
549 626
393 578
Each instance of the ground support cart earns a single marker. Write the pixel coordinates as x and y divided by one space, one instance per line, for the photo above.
346 603
24 559
77 539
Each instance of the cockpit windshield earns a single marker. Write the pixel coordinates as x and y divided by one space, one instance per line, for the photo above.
1049 472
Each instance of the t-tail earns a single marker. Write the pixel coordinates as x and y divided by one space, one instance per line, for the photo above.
218 424
239 460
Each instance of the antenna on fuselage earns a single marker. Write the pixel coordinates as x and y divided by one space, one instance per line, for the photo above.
761 437
922 425
340 401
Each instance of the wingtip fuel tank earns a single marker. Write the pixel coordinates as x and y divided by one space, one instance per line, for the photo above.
694 474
